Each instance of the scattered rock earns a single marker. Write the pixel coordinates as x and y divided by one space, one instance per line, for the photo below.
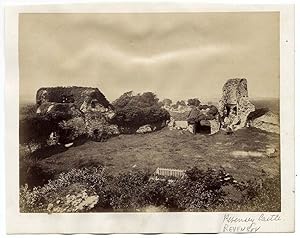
267 122
113 130
171 123
69 145
78 202
50 207
214 126
144 129
271 152
181 125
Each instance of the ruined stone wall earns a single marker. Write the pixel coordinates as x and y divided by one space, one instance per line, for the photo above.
41 96
242 90
214 126
235 93
234 90
245 107
97 107
97 121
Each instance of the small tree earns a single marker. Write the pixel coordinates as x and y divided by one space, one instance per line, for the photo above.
167 102
193 102
180 103
123 100
141 109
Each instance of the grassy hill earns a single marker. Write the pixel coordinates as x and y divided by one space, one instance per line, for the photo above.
174 149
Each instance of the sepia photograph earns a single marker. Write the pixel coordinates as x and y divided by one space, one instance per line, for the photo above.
149 112
149 118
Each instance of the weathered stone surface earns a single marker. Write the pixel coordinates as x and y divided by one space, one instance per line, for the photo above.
144 129
191 129
244 109
181 125
113 130
267 122
215 126
79 201
234 106
171 123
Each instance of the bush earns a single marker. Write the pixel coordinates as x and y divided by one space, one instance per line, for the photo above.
27 110
199 191
166 102
139 110
36 130
31 172
193 102
39 198
262 195
71 129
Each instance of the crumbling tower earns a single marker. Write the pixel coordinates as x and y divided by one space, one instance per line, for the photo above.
235 106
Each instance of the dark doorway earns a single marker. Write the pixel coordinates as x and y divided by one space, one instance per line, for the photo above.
230 109
202 129
93 104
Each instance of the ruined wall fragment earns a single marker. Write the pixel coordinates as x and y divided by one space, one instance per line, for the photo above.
235 106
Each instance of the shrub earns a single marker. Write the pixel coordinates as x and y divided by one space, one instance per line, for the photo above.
201 189
31 172
35 130
91 189
262 195
138 110
136 117
193 102
39 198
27 110
71 129
167 102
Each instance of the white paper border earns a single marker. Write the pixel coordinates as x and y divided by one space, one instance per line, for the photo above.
144 222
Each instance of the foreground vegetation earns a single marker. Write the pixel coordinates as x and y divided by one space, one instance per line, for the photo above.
94 190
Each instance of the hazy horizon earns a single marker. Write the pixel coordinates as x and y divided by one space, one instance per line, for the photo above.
25 100
174 55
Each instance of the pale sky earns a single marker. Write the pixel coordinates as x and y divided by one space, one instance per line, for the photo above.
176 56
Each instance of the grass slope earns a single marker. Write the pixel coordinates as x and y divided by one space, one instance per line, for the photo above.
173 149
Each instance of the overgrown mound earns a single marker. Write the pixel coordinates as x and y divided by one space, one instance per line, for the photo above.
76 95
138 110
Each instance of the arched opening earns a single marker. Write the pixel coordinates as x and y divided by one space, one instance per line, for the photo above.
203 127
93 104
230 109
96 132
